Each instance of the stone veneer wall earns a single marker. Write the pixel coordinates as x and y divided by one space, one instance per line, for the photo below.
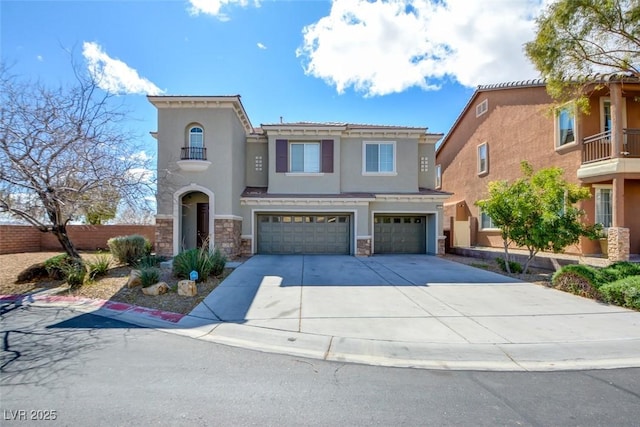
227 236
441 244
364 247
618 244
245 246
164 237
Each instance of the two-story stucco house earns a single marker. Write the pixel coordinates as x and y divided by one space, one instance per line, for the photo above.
292 188
505 124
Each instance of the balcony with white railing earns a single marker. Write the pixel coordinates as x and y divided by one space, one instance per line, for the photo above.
193 159
599 159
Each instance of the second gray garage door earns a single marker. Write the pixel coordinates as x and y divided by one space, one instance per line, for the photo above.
304 233
399 234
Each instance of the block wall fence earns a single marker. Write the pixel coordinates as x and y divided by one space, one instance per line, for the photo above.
25 238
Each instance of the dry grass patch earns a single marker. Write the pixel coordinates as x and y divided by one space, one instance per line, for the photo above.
538 276
111 287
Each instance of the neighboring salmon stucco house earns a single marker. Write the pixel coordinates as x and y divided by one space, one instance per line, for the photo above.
292 188
507 123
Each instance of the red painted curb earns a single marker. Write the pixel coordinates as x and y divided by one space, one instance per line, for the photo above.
122 307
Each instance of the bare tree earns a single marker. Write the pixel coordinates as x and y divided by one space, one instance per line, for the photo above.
64 151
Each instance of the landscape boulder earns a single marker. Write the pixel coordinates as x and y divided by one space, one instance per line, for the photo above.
134 279
157 289
36 271
187 288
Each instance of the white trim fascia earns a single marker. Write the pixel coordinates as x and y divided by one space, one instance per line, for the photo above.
234 217
164 216
254 213
304 201
387 133
246 236
415 198
304 174
363 237
306 131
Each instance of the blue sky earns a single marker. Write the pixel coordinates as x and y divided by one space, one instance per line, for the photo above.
403 62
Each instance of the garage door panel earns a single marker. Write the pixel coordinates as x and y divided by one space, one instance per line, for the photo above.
304 233
399 234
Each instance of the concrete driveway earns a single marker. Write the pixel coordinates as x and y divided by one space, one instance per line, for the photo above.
412 308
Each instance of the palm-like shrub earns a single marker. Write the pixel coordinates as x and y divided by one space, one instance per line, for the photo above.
200 260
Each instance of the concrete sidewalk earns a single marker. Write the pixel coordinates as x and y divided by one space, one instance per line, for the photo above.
416 311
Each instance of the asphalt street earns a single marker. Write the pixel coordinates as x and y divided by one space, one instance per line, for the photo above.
83 369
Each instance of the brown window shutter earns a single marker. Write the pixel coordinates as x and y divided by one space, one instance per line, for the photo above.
327 155
282 159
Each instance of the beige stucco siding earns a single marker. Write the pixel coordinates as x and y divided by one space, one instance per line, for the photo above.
257 164
405 178
222 136
426 177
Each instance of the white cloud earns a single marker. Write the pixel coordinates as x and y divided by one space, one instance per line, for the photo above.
40 58
385 46
214 7
113 75
261 46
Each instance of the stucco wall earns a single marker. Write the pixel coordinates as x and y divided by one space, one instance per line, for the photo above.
353 179
257 178
221 139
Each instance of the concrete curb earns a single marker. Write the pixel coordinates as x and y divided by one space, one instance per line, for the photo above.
442 356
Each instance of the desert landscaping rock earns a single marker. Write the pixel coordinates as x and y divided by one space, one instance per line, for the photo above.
33 272
157 289
134 279
187 288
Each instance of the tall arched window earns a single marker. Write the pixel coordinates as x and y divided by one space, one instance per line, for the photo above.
196 143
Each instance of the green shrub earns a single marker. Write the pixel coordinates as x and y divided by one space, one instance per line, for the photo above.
625 268
127 249
149 276
578 279
624 292
148 247
200 260
99 266
75 273
515 267
149 261
56 265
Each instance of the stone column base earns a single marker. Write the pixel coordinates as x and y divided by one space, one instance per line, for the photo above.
618 244
227 236
441 240
363 247
164 237
245 246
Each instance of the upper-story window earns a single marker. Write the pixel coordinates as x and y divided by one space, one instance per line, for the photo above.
195 148
482 108
483 159
304 157
605 113
565 126
379 157
313 157
438 176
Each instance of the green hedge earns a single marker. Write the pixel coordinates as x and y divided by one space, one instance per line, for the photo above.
624 292
597 283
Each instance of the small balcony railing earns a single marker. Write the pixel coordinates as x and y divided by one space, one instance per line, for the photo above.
193 153
598 147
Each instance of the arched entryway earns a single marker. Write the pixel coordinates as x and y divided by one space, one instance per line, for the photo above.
193 218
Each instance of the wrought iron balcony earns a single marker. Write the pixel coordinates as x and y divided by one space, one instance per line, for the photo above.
193 153
598 147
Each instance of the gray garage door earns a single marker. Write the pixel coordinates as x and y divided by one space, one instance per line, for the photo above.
303 233
399 234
